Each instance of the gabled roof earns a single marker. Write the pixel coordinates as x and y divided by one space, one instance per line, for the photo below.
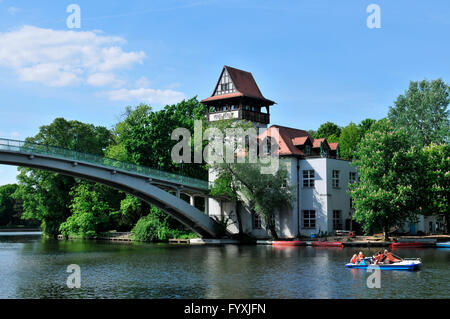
318 141
244 83
291 138
287 136
297 141
333 146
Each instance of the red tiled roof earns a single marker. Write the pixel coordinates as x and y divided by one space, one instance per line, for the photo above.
299 140
290 138
317 142
333 146
244 83
223 96
286 137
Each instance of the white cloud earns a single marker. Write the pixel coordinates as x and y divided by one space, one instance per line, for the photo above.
13 10
146 95
142 82
64 57
103 79
52 74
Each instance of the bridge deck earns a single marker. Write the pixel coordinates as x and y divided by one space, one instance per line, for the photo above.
32 148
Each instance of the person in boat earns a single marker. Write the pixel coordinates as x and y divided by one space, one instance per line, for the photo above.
377 257
353 259
359 257
389 258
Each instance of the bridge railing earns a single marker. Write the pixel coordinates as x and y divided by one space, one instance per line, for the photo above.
33 148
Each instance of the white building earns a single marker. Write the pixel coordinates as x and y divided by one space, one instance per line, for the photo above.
321 203
319 179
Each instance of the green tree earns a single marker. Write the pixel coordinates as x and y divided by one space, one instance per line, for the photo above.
312 133
90 212
156 227
263 194
348 141
45 195
243 181
10 210
131 210
146 136
388 180
365 126
328 130
436 176
423 112
143 136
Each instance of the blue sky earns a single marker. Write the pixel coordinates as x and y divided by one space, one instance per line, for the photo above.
317 59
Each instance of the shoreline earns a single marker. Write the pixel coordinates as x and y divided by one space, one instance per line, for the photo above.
19 230
362 241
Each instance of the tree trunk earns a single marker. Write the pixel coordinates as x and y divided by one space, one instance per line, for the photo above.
273 231
447 224
238 218
386 233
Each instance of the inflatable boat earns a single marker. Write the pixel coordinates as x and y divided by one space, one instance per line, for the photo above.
406 264
327 244
288 243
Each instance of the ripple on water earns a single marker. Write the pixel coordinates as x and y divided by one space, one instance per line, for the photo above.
35 268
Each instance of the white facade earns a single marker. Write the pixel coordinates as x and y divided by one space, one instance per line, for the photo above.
319 206
425 225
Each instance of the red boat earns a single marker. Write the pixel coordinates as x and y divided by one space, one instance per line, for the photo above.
410 244
327 244
288 243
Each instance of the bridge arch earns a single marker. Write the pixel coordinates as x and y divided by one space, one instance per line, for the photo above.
150 187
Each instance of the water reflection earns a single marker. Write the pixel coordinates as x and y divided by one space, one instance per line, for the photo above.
36 268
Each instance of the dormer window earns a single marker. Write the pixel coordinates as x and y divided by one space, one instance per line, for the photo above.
307 150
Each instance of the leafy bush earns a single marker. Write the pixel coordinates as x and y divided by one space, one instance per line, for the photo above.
151 227
155 228
90 212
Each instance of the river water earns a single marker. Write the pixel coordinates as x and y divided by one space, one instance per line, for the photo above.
31 267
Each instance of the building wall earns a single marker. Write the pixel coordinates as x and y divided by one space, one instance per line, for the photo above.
314 198
339 198
425 224
322 198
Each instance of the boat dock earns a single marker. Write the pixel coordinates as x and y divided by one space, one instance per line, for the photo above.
179 241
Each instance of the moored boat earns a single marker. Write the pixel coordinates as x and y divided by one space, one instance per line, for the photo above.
411 244
288 243
443 244
327 244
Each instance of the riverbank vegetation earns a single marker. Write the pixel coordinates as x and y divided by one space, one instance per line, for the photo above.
11 210
402 162
76 208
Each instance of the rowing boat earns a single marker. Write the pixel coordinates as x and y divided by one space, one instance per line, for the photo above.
327 244
288 243
411 244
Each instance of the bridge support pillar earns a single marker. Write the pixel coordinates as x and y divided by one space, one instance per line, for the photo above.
192 200
178 192
207 206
